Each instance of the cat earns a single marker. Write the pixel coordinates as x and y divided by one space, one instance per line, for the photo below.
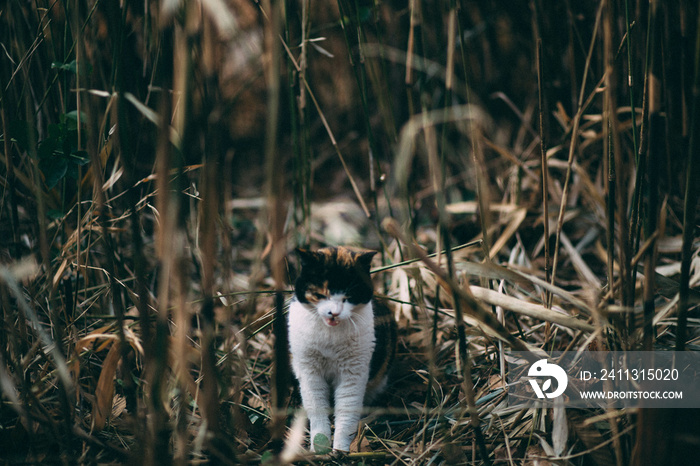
340 338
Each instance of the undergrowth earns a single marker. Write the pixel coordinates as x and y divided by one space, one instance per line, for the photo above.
527 170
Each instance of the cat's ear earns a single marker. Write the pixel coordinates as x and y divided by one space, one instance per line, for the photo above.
307 257
365 259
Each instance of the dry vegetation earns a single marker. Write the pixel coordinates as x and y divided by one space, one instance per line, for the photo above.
162 159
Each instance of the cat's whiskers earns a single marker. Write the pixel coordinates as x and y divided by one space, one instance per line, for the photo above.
352 318
352 321
363 320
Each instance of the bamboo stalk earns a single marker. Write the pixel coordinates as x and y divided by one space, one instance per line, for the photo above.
690 201
209 210
615 154
276 215
638 186
653 158
167 242
545 171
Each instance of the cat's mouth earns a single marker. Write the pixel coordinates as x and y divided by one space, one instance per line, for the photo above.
331 321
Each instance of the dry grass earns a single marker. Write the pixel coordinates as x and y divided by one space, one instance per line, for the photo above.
527 173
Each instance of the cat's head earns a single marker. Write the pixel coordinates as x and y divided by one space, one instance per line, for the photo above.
334 281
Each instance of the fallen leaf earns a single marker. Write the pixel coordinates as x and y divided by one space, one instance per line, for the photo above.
104 392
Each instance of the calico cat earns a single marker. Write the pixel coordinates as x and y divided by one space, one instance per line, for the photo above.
340 339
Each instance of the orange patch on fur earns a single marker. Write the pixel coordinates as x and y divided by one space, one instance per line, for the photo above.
315 293
343 255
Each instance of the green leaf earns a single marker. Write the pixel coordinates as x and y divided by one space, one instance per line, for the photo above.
54 214
80 157
322 444
54 169
47 148
72 67
73 169
55 131
267 458
72 119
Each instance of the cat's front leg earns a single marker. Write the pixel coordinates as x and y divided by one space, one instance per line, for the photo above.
348 410
315 396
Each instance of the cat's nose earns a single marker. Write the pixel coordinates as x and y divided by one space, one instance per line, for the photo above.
333 311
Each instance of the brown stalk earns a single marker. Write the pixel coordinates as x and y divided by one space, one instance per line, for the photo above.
610 115
414 12
690 202
209 211
329 131
168 248
10 174
276 216
545 172
655 149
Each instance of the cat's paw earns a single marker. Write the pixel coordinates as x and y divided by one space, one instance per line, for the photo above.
342 443
338 455
321 444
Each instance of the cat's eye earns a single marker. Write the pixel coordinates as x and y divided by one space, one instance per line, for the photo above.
319 296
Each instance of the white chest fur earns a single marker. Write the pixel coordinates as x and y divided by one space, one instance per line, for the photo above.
335 357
